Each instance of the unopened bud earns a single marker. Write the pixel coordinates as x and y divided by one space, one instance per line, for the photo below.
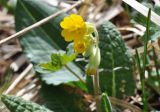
94 62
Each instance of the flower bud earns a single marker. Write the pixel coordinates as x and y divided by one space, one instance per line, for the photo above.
94 62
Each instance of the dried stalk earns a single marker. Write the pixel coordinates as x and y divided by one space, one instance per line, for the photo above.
124 104
97 91
84 8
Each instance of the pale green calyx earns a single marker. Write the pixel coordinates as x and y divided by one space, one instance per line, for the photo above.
90 28
94 62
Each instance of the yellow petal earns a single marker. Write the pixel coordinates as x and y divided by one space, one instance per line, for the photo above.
74 26
79 46
78 20
67 23
80 33
67 35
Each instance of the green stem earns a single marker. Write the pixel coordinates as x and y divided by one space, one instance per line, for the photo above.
141 72
75 75
113 78
97 91
144 62
96 79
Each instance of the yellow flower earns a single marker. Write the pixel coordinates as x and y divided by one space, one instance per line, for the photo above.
80 46
74 28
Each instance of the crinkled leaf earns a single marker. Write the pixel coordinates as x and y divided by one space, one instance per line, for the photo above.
113 47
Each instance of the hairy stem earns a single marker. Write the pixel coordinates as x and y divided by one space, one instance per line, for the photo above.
97 91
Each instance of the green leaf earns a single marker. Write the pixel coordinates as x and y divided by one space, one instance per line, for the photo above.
49 66
18 104
105 103
58 60
62 98
113 47
43 41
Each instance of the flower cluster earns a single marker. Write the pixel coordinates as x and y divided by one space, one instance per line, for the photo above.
80 32
76 30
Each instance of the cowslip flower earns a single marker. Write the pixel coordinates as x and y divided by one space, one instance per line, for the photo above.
83 45
78 31
80 46
74 28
